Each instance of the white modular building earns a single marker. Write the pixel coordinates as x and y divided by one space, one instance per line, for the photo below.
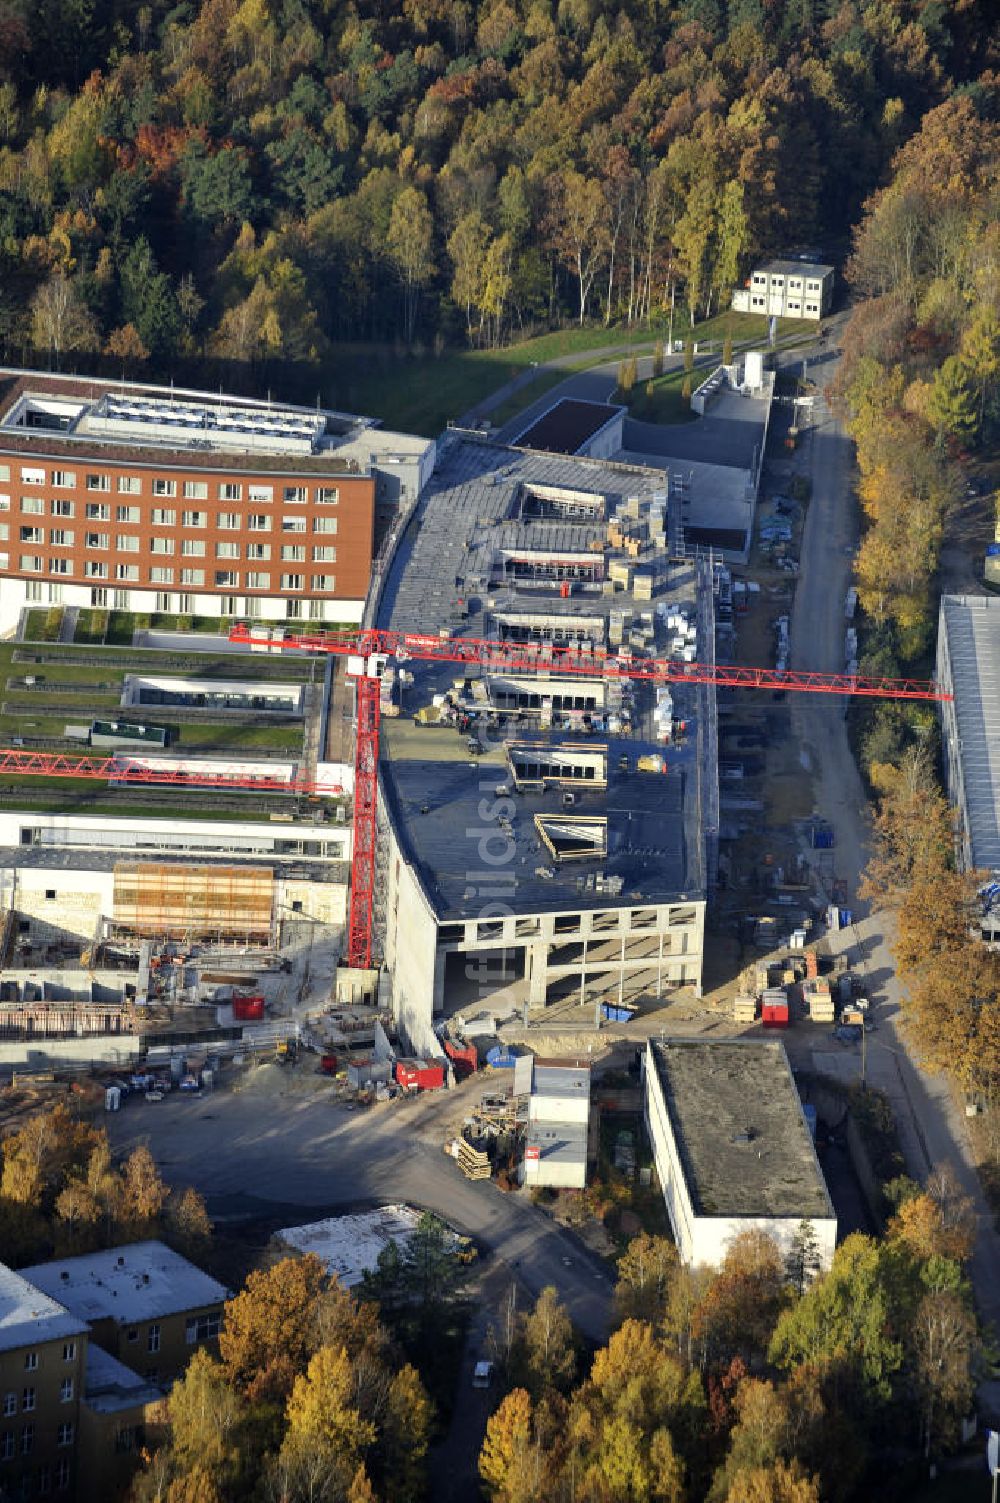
787 289
555 1149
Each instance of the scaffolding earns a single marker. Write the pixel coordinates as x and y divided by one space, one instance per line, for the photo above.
189 903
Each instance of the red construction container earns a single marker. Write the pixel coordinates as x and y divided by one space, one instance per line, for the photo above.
774 1014
464 1057
419 1075
247 1007
328 1064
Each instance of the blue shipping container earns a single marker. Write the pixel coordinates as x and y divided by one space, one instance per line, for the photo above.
500 1059
846 918
992 549
612 1013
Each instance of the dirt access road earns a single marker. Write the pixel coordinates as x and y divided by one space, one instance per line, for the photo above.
932 1131
276 1145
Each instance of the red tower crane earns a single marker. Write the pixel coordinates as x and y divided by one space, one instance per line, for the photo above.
367 652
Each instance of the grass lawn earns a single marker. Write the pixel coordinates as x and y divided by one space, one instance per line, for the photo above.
30 701
420 393
62 670
543 382
42 725
665 404
121 626
91 627
237 736
74 664
43 626
85 796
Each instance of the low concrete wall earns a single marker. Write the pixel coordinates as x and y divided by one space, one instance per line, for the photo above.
47 1054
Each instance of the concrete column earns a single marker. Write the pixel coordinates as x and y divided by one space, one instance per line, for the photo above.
439 965
583 973
621 974
659 969
536 969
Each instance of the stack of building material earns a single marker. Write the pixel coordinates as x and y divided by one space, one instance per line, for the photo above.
819 999
663 714
745 1009
388 705
473 1162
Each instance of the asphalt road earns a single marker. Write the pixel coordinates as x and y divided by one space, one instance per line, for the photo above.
277 1145
931 1130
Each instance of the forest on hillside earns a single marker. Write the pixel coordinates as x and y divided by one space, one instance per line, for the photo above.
253 181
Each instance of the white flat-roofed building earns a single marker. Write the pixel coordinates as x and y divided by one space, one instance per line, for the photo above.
968 668
143 691
555 1149
127 836
348 1246
732 1147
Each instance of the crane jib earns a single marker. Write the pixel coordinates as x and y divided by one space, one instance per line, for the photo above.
595 663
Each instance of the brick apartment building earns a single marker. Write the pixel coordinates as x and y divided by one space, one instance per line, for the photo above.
141 498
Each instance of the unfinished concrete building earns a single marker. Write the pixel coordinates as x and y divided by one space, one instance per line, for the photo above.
102 919
548 835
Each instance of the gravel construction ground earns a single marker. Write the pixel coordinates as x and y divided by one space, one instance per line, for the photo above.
276 1143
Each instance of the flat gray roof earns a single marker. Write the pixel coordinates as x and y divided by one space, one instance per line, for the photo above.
350 1245
795 268
971 626
141 1281
740 1130
28 1316
561 1080
653 841
57 858
558 1142
471 515
727 437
